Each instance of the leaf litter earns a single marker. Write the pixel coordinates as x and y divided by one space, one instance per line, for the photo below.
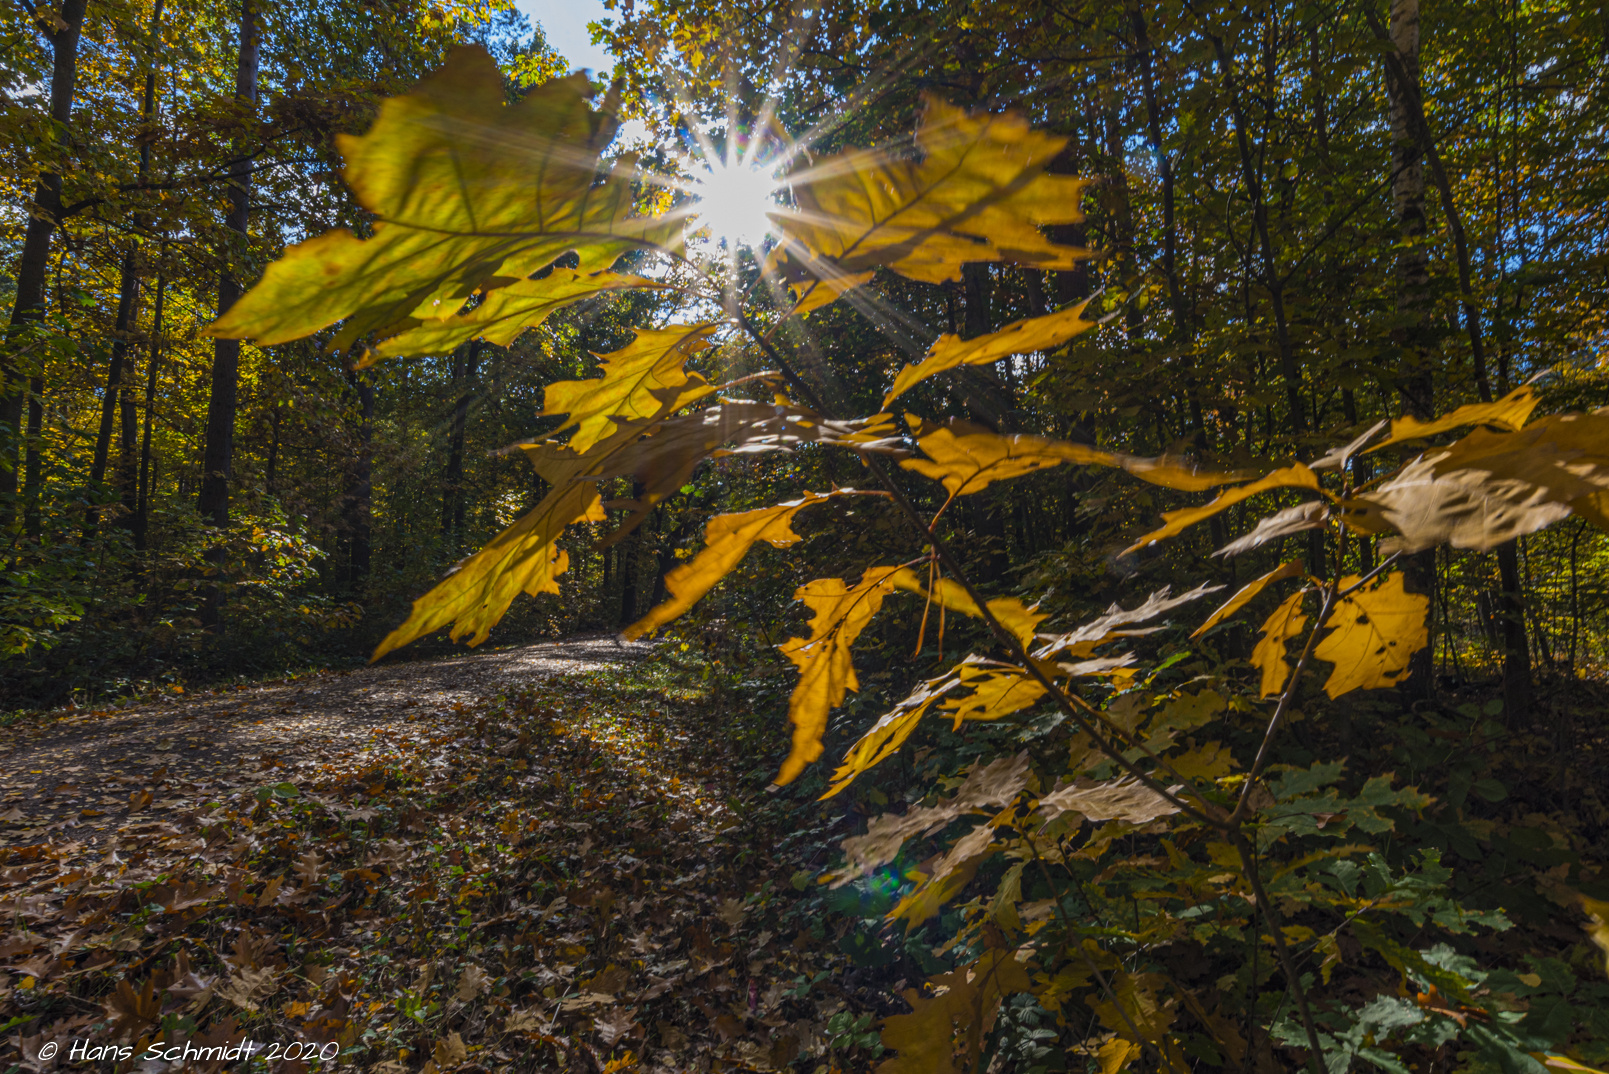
529 859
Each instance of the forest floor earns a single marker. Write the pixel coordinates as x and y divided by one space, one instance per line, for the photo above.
536 858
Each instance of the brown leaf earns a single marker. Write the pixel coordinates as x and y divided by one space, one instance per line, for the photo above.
450 1052
615 1025
472 983
1125 799
1304 516
1083 640
133 1011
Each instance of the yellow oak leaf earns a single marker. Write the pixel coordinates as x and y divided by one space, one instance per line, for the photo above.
826 670
643 378
1019 337
505 313
884 738
1285 623
1373 633
966 1001
977 192
1510 412
727 539
968 458
469 194
996 692
1011 613
1293 569
1294 476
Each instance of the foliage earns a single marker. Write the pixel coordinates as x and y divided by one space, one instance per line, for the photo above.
1245 860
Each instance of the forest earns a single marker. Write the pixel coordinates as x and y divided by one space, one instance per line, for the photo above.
915 536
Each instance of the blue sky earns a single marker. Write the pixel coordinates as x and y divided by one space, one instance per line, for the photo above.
565 23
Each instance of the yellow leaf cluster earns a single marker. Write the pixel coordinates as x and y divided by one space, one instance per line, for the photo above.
968 1001
1293 569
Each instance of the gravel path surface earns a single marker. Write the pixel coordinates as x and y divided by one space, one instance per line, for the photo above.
70 776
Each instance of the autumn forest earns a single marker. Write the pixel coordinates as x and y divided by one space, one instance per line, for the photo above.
914 536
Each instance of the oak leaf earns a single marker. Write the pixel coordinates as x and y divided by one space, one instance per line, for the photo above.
1019 337
471 983
1510 412
826 671
1294 476
1304 516
727 539
978 192
1283 624
469 195
889 733
1082 640
967 1000
1019 619
996 692
1373 633
1293 569
1125 799
643 379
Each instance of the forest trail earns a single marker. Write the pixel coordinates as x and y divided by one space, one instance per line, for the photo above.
523 860
68 776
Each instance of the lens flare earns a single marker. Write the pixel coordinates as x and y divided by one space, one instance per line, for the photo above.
733 200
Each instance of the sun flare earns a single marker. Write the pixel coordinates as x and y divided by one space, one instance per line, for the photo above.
733 200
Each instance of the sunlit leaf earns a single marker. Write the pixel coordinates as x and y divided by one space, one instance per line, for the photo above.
1019 337
978 192
826 670
1597 911
996 692
469 195
1294 476
1510 412
1293 569
890 732
644 377
505 313
1337 458
1373 633
1011 613
1285 623
727 539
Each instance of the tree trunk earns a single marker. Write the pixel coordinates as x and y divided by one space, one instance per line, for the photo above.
465 361
44 216
630 553
142 511
219 453
360 489
1415 356
128 290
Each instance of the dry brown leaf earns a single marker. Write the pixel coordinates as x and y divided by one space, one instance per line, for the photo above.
1337 457
1294 476
1268 654
615 1025
1082 641
471 983
1125 799
1293 569
1373 633
1304 516
450 1051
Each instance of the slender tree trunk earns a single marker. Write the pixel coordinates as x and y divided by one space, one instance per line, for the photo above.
358 507
219 452
466 360
1289 369
127 297
142 512
29 307
630 553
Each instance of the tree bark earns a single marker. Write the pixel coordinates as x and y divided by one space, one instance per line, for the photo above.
29 307
466 360
360 490
142 510
218 454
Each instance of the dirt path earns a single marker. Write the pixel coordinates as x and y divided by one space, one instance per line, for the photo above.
70 775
